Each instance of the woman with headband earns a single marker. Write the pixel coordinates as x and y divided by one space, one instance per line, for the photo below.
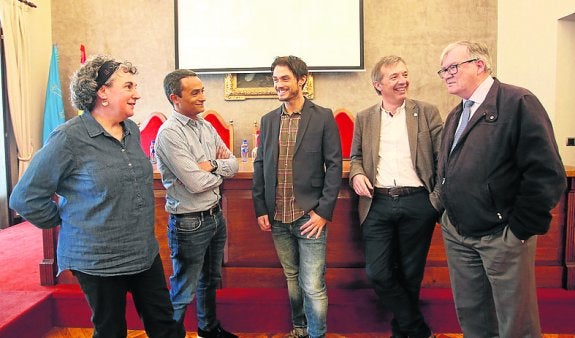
105 202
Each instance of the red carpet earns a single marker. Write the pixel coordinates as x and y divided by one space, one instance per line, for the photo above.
20 254
28 309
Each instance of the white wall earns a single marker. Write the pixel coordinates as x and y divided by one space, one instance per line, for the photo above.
565 84
533 45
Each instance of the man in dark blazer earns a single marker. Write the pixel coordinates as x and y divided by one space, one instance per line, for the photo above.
297 175
501 175
393 170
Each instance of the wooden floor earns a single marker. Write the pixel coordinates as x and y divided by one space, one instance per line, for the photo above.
87 333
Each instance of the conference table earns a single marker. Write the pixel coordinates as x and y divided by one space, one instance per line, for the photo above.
250 260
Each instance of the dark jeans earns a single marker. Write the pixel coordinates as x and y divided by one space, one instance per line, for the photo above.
107 299
197 250
397 234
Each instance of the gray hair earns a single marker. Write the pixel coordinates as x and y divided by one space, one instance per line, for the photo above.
83 85
387 61
172 82
476 50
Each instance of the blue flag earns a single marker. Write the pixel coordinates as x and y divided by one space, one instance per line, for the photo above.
54 107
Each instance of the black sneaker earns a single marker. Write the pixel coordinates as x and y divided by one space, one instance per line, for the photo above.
217 332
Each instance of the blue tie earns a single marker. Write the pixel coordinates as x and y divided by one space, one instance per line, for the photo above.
464 119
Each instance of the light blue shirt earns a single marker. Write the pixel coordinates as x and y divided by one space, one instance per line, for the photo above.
181 144
106 201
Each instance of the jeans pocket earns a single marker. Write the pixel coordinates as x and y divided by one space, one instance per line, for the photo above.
509 237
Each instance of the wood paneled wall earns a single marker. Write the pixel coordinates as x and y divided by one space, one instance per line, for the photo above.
250 259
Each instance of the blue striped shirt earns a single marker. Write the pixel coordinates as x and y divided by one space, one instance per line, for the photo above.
180 144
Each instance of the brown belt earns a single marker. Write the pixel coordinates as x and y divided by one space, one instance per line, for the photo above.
212 211
398 191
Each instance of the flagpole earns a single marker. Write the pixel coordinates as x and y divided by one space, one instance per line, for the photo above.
53 106
82 61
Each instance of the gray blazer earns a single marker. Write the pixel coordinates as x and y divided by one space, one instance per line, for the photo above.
317 163
424 127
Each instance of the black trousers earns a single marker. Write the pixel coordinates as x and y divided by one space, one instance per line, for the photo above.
107 299
397 235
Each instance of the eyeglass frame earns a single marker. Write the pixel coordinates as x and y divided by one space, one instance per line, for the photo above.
455 68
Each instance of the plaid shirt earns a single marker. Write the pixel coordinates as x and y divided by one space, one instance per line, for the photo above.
287 209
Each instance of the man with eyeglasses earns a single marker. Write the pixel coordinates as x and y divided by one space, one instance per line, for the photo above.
501 175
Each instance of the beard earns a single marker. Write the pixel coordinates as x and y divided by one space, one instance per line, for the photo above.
290 94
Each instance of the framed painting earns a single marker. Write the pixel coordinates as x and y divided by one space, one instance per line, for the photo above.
256 85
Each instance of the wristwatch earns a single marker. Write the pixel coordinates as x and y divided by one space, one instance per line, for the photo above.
214 164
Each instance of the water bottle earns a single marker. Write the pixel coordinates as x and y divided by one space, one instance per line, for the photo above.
153 152
244 151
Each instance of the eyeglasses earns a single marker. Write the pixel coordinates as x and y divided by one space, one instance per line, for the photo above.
452 70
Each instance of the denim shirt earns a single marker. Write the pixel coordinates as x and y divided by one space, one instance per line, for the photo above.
106 202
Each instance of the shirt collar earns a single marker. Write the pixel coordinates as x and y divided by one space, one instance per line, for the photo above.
400 110
481 92
94 128
185 119
284 112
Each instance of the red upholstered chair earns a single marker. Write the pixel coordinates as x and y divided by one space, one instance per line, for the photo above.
225 130
345 123
149 130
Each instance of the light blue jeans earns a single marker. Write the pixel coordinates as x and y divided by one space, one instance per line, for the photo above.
197 251
303 262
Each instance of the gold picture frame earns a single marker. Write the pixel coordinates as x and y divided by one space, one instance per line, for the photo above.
256 86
